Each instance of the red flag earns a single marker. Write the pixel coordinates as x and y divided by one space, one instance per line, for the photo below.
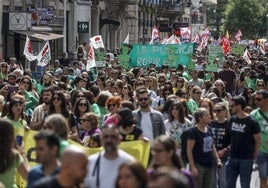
238 35
226 47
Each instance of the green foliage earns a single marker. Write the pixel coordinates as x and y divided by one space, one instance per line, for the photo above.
248 16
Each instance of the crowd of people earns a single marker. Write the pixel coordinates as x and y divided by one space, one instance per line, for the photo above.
204 128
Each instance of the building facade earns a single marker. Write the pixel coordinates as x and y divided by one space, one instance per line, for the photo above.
69 23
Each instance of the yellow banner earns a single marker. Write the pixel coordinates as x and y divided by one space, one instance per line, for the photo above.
138 149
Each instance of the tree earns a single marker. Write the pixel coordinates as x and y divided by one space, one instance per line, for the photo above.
246 15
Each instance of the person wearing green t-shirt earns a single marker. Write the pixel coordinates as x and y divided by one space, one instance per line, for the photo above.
261 116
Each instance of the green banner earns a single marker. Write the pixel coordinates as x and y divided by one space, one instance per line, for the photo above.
238 49
140 55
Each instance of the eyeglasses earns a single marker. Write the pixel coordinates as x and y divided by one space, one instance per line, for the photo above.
218 110
26 82
82 104
161 81
198 92
143 99
83 120
125 87
56 98
112 104
258 99
260 85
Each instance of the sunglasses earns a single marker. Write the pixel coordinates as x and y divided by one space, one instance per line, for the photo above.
260 85
198 92
80 96
109 105
139 84
258 99
218 110
82 104
143 99
125 87
56 98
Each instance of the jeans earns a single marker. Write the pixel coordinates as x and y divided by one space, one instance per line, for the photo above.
263 164
235 167
219 176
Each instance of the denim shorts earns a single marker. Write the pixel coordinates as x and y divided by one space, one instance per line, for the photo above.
263 164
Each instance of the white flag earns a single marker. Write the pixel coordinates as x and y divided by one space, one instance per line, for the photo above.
126 41
97 42
28 50
247 56
91 58
173 39
44 55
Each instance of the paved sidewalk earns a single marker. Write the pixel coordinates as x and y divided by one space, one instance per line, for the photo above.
255 182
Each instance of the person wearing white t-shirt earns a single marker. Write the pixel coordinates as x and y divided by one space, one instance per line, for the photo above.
103 166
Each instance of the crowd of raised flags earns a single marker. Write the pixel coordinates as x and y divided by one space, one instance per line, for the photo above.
201 39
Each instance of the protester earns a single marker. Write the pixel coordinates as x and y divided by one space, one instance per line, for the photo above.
244 131
260 115
132 175
13 157
201 150
166 177
221 138
149 120
102 162
41 111
71 173
47 147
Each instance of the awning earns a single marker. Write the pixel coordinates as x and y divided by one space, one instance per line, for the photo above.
41 35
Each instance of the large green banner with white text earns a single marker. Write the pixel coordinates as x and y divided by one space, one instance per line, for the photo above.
140 55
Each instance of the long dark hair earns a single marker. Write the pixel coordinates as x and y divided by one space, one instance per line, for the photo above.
64 108
179 106
76 106
15 100
8 156
170 145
